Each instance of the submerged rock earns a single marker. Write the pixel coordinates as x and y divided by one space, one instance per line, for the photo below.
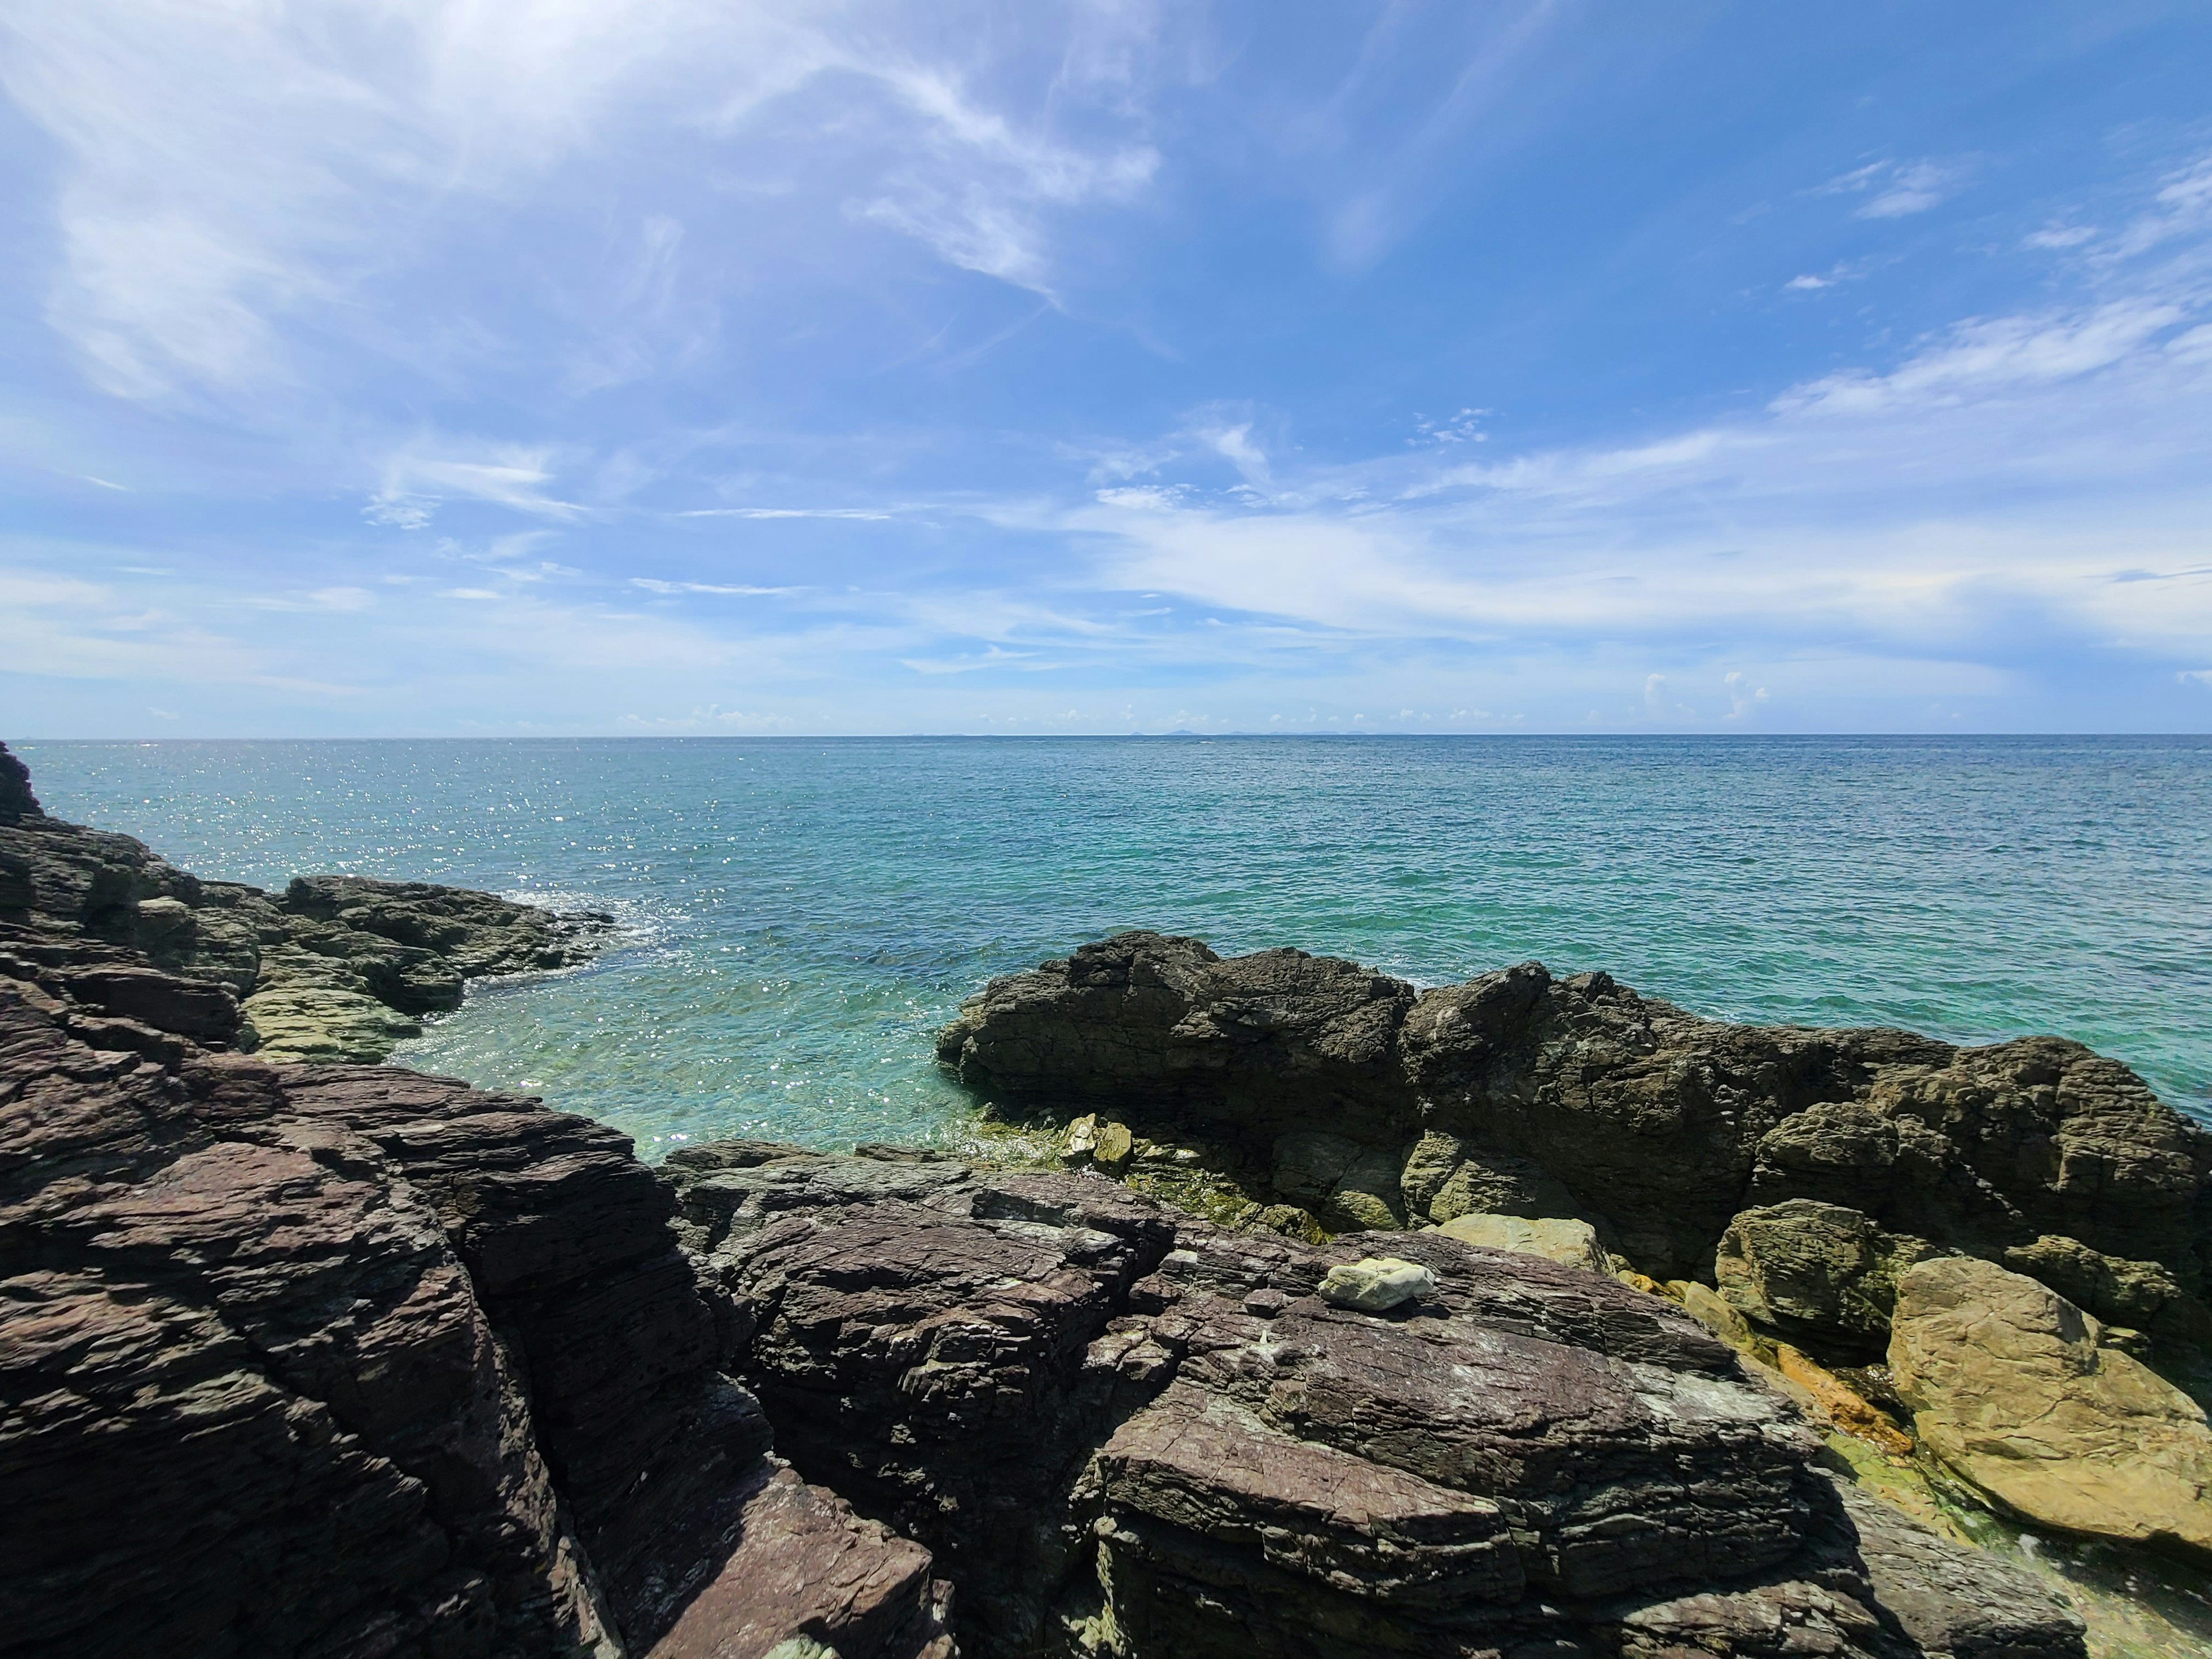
2009 1386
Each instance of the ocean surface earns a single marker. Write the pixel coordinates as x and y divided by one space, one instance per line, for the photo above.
799 916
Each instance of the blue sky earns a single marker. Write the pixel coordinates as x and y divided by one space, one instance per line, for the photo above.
570 366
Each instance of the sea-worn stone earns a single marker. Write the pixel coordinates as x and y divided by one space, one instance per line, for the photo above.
2009 1386
1574 1243
1375 1284
1819 1273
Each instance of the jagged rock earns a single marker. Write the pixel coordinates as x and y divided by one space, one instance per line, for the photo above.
345 1361
2009 1386
1521 1094
2116 1290
1816 1273
1121 1429
16 800
1574 1243
336 968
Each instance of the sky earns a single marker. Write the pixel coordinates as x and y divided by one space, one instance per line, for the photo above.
510 367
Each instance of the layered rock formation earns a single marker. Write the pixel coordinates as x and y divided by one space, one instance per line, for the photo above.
1521 1094
344 1360
1784 1181
336 968
1126 1432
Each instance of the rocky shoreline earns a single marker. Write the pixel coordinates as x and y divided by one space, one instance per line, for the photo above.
335 968
335 1359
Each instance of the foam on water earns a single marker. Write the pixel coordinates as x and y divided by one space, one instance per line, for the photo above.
799 917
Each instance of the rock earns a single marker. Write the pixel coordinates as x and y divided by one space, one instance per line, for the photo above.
1949 1602
1123 1430
1376 1284
1080 1143
2116 1290
1519 1093
1709 1309
1574 1243
339 968
1817 1273
16 800
1114 1146
2009 1386
1836 1403
1349 1186
382 1363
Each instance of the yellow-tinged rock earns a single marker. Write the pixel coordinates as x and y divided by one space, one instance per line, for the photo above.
1847 1409
1574 1243
2009 1388
1703 1303
1116 1143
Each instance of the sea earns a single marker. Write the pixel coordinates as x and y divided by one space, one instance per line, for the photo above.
799 917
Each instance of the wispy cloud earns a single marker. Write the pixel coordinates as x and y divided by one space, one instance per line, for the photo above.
653 585
1896 189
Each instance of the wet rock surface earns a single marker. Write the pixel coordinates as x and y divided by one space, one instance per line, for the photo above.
335 968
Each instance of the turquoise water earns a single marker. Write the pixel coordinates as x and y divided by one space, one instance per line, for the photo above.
800 916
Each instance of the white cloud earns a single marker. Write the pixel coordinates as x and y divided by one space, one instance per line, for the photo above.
417 478
236 176
1985 355
862 512
1896 189
653 585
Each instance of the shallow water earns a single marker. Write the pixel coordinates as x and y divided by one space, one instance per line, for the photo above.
801 914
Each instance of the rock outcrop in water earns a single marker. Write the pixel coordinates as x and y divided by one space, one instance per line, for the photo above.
335 968
1804 1173
341 1360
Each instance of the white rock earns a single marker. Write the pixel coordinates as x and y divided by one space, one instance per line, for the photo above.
1374 1283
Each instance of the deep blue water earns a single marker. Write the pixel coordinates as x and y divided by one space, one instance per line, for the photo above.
803 913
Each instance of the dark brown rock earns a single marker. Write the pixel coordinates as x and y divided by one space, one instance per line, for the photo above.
344 1361
1123 1429
1520 1093
337 967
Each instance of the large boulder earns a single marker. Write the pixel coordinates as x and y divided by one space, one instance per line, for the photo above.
2009 1386
1523 1093
1820 1274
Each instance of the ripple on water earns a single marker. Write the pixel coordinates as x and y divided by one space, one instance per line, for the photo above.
797 917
